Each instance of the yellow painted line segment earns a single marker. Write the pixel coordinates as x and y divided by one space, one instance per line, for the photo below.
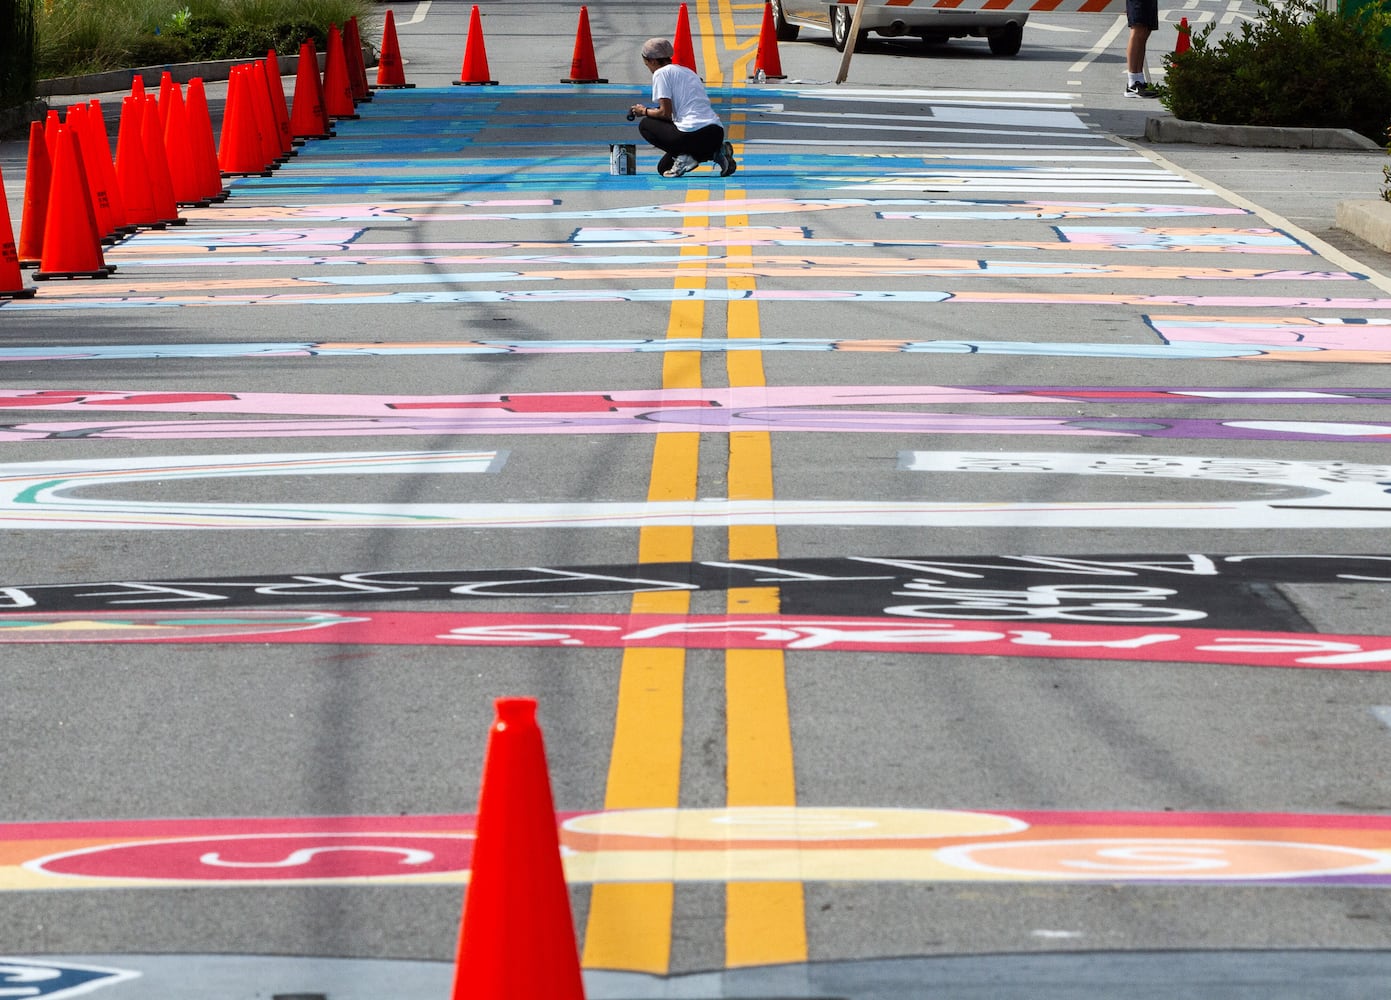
765 922
629 925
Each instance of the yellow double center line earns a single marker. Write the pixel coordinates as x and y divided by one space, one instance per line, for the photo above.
630 924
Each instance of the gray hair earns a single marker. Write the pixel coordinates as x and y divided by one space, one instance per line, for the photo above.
657 48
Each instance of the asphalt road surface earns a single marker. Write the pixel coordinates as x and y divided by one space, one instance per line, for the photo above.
949 554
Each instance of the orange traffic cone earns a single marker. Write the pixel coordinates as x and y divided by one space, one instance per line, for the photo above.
11 281
183 171
71 243
137 87
475 69
166 88
157 162
264 116
96 122
204 143
132 173
279 105
518 934
240 151
75 121
357 68
391 72
683 53
338 91
52 123
1185 40
308 120
38 174
767 59
583 68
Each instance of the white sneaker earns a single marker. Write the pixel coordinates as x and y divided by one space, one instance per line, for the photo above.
683 165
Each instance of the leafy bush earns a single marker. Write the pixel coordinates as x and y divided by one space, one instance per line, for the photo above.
85 36
16 52
1297 65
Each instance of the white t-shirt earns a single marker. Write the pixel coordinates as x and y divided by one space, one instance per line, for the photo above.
690 105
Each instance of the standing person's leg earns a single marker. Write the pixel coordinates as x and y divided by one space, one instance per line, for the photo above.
1143 18
1135 50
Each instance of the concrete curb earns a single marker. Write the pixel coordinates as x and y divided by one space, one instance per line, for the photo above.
1168 129
1369 221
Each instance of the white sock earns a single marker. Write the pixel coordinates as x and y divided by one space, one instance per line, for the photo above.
1135 77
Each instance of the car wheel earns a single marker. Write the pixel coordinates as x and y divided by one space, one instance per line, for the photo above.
1007 40
840 28
785 32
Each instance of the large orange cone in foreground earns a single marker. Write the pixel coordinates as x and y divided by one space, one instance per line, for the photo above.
1185 37
71 243
11 281
475 68
583 68
768 59
391 72
682 51
37 175
308 120
518 935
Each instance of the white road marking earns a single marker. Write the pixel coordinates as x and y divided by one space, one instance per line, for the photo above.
1101 46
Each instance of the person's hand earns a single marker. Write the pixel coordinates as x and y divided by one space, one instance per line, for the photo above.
637 111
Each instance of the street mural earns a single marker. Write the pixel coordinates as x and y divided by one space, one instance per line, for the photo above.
447 210
1218 611
1193 590
571 267
1208 345
241 248
94 297
785 633
802 409
37 495
787 843
48 979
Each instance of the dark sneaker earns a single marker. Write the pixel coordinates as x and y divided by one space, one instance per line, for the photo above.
725 161
1141 89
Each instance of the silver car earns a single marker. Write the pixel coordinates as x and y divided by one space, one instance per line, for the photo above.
1003 29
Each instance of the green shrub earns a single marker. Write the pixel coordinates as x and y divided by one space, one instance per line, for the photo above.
1297 65
85 36
16 52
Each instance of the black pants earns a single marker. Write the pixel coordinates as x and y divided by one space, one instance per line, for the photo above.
703 143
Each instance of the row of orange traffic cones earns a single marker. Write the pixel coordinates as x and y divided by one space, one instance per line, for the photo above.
78 198
584 67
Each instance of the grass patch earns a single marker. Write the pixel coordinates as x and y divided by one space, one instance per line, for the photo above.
91 36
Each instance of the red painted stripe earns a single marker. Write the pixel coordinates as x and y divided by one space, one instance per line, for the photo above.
1038 638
